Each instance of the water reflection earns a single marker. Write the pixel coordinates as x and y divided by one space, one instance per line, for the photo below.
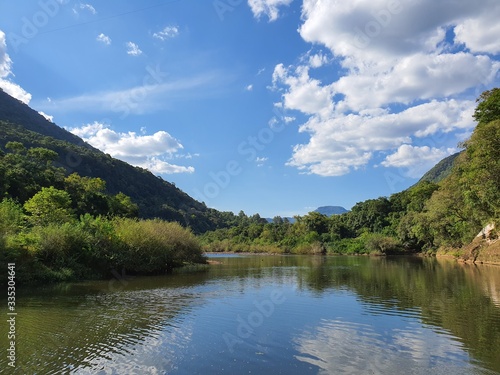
343 347
338 315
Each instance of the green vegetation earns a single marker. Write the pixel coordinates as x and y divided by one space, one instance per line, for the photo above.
57 227
154 197
446 209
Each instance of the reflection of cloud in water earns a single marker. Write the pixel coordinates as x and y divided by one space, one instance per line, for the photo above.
156 354
339 347
154 347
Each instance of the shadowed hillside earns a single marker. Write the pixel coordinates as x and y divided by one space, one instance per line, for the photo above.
154 196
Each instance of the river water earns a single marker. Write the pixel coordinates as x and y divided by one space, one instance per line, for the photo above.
267 315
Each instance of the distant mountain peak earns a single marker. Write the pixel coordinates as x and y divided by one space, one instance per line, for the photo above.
331 210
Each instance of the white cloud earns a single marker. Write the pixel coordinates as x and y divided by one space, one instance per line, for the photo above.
261 161
317 60
167 33
249 88
343 143
133 49
480 33
6 84
88 7
304 93
83 6
146 151
270 8
403 79
104 39
47 117
416 160
418 76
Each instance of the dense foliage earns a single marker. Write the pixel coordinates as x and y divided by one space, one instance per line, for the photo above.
155 197
57 227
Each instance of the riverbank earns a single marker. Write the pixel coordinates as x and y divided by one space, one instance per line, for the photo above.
97 248
484 249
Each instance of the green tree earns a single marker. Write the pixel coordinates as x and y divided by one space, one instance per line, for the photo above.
121 205
49 206
11 216
488 109
87 194
371 215
480 171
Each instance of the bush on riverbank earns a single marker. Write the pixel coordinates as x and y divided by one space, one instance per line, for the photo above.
92 247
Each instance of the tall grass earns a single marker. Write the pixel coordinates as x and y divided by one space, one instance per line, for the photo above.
94 247
155 246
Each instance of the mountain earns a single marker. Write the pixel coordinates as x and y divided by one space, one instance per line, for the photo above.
290 219
331 210
324 210
16 112
154 196
441 170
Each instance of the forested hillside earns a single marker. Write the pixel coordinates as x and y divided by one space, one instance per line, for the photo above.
441 170
155 197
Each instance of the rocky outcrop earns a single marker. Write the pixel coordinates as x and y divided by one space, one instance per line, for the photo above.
485 248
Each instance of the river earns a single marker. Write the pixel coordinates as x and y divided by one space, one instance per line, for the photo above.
266 315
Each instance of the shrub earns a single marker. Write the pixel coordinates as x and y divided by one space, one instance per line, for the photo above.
378 243
154 246
58 246
11 217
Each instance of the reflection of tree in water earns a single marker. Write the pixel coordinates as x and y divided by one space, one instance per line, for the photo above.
457 297
87 327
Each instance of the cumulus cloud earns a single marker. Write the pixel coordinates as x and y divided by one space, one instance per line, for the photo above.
6 84
408 70
167 33
146 151
416 160
133 49
317 60
480 33
104 39
270 8
343 143
304 93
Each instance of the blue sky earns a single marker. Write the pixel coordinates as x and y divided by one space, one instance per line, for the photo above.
273 107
